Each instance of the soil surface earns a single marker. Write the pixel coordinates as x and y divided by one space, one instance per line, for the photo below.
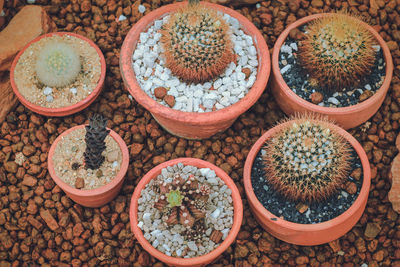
39 225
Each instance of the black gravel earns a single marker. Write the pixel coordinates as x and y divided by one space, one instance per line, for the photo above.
317 212
297 80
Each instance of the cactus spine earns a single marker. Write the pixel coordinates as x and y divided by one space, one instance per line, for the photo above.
306 160
337 51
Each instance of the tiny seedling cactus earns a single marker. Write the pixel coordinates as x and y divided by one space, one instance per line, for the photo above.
96 132
307 160
183 201
337 51
197 43
57 65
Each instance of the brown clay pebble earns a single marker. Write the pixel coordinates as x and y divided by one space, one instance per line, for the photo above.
160 92
216 236
170 100
79 183
301 207
247 72
365 95
316 97
351 188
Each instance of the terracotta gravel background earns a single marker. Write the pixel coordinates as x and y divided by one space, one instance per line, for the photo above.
39 225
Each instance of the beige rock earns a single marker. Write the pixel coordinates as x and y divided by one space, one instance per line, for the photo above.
394 193
8 100
26 25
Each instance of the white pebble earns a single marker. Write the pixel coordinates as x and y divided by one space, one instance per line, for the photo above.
216 213
142 8
49 98
368 87
285 69
121 18
47 91
73 90
333 101
286 49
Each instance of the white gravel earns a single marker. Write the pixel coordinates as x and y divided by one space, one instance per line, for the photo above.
168 239
229 87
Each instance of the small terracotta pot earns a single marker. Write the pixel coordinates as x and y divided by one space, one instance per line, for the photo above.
64 111
346 117
193 125
307 234
92 198
197 261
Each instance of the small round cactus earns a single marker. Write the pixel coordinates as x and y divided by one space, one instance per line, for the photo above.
57 64
307 160
337 51
197 43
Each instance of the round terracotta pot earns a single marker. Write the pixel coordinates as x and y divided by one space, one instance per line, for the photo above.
92 198
346 117
197 261
307 234
193 125
64 111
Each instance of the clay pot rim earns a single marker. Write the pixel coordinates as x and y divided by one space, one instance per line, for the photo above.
237 214
90 192
330 110
228 113
298 226
68 110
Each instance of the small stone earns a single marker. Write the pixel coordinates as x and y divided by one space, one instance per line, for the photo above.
372 230
112 156
170 100
247 72
316 97
365 95
79 183
216 236
333 101
351 188
301 207
49 98
141 8
73 90
99 173
49 219
47 91
160 92
356 174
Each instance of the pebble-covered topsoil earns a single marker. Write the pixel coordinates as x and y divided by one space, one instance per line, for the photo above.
306 213
40 225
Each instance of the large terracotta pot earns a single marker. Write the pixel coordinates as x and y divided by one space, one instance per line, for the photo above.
64 111
93 197
307 234
197 261
193 125
346 117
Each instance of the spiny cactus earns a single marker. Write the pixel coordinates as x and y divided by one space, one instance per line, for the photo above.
337 51
182 200
57 65
197 43
96 132
306 160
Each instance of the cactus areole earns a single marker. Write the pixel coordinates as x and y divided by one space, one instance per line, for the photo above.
197 43
307 160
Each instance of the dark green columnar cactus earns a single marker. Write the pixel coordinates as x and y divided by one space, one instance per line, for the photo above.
96 133
197 43
183 201
307 160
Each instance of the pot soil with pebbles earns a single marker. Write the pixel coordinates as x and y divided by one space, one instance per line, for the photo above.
186 212
58 74
332 64
307 181
185 60
89 162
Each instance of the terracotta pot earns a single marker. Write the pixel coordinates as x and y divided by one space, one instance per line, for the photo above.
92 198
307 234
197 261
346 117
193 125
64 111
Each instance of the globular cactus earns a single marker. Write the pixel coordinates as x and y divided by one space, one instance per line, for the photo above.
57 65
182 200
197 43
307 160
96 133
337 51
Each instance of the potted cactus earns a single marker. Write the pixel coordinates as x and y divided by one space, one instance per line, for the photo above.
58 74
185 60
89 162
307 181
332 64
186 212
